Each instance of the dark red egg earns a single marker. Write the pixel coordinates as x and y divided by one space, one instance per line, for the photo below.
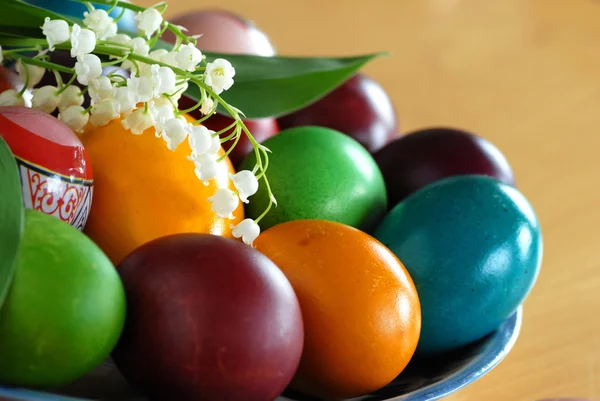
56 173
422 157
359 108
208 318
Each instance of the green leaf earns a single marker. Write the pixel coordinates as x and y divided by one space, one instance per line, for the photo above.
264 86
12 217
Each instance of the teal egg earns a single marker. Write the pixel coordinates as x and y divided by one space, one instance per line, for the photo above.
71 9
473 247
319 173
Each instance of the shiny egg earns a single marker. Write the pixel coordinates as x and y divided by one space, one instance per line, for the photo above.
473 247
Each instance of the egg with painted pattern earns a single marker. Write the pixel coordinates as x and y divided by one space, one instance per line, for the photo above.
473 247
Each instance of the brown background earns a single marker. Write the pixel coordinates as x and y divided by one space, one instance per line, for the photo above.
526 75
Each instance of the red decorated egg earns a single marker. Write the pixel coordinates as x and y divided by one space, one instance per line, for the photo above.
56 174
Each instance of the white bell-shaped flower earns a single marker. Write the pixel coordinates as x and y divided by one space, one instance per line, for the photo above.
188 57
101 88
158 54
35 73
75 117
246 183
83 41
171 58
104 112
143 87
71 96
56 31
207 105
100 22
219 75
148 21
163 80
224 202
45 99
126 98
162 113
247 230
11 97
140 46
138 121
215 146
175 132
206 167
200 140
87 67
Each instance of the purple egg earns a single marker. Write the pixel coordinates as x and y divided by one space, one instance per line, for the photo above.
420 158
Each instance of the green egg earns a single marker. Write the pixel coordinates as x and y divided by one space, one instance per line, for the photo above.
65 310
319 173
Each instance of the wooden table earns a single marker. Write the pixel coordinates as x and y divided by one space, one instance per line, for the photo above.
526 75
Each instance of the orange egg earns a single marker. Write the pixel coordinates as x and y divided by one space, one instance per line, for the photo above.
361 312
143 191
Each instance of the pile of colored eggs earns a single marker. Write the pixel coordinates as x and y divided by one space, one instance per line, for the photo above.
383 248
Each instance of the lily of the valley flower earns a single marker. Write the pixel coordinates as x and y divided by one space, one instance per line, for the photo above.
71 96
75 117
206 167
164 80
100 22
246 184
126 98
248 230
224 202
188 57
87 67
101 88
142 87
83 41
11 97
138 121
148 21
207 105
175 132
140 46
46 99
56 31
219 75
35 73
104 112
200 140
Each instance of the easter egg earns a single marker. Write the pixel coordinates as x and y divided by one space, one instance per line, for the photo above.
144 191
360 307
225 323
473 247
65 310
425 156
56 174
359 107
127 22
319 173
223 32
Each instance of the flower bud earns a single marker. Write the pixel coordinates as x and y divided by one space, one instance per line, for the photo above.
71 96
35 73
45 99
11 97
138 121
75 117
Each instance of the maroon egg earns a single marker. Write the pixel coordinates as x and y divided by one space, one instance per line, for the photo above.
359 108
223 32
208 318
420 158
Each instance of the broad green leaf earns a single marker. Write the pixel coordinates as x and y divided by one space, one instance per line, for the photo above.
11 217
264 86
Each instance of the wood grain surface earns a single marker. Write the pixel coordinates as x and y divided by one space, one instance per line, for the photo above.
526 75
